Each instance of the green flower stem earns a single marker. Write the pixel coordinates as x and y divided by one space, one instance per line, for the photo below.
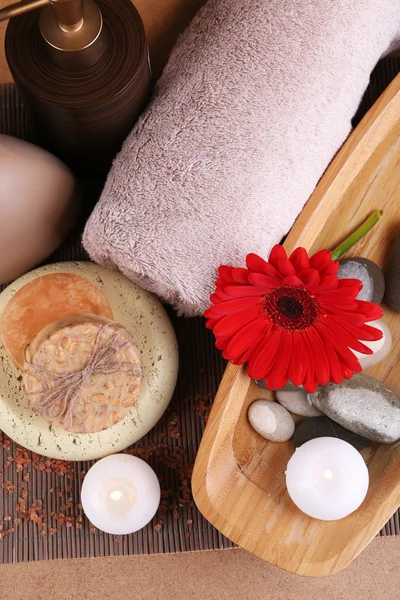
357 235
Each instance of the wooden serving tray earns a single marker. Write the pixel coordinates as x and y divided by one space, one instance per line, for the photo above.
239 477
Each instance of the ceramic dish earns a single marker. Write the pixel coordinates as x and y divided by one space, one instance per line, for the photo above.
143 315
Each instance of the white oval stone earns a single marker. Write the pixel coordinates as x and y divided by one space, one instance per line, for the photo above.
298 403
271 420
380 348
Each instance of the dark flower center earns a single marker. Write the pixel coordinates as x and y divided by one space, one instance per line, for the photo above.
292 308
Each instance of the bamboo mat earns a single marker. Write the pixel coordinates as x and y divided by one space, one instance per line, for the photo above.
40 512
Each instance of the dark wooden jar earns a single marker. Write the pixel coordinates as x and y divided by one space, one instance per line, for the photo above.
83 116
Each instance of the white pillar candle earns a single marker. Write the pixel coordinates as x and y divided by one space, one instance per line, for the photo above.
120 494
327 478
380 348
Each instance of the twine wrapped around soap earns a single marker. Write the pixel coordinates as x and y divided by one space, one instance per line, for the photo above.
58 399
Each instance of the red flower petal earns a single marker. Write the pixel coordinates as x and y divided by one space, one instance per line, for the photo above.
241 291
232 322
240 275
342 303
262 280
339 293
370 310
365 333
310 278
374 332
225 273
352 283
329 282
348 316
285 267
293 280
246 338
297 368
211 323
347 356
329 269
299 259
320 259
277 253
219 296
221 344
347 373
247 355
335 367
346 337
278 376
321 363
267 353
231 306
309 381
258 265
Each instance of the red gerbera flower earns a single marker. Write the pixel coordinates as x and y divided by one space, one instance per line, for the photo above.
291 319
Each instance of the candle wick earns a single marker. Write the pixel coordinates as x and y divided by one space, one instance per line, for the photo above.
117 495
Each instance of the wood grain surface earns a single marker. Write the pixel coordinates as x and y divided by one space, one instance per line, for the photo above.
239 478
163 21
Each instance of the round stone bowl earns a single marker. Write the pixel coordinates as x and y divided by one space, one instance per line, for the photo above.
144 316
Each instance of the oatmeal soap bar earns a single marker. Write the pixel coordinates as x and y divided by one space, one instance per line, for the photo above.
82 373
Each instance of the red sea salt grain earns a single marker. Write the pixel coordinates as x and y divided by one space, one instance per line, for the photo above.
9 487
202 405
7 533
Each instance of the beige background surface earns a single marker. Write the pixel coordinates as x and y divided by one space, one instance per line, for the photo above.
232 574
226 575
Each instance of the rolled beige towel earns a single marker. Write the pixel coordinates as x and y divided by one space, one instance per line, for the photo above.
257 97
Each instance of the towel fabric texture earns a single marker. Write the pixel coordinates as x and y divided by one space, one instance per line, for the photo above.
256 99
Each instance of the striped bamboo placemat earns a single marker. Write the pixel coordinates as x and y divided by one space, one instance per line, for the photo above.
40 513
